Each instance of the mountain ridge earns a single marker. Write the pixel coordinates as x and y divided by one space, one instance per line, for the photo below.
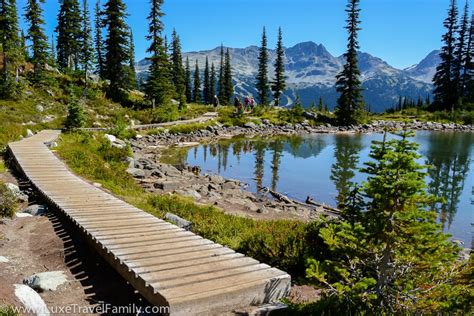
311 73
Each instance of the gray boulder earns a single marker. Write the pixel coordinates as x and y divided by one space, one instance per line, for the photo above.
46 281
39 108
15 190
135 172
31 300
250 125
36 210
178 221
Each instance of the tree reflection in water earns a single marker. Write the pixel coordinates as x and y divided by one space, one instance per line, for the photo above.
449 157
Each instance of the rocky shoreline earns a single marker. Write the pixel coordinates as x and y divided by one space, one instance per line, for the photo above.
218 131
231 195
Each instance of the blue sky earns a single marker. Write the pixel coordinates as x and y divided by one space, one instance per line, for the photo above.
402 32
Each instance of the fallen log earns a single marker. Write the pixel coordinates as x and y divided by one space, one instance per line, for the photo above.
280 197
311 201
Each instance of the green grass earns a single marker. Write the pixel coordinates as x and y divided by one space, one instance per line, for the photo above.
3 167
6 310
407 115
280 243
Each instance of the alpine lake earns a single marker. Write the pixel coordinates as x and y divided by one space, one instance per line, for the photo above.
325 166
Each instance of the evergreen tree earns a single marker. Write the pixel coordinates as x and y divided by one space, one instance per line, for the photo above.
207 84
178 72
350 102
23 47
39 41
52 52
222 91
11 49
419 104
159 87
228 84
75 116
117 48
197 96
188 83
321 105
445 91
87 46
468 77
70 32
278 83
262 73
131 65
428 101
460 54
212 84
388 249
99 49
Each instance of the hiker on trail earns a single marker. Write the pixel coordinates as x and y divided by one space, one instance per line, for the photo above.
252 103
247 103
216 102
238 106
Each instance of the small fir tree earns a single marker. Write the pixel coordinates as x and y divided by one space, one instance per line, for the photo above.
75 115
388 254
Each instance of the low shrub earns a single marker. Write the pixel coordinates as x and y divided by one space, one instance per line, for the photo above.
8 202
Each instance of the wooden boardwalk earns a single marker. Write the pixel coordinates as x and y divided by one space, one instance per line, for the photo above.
166 264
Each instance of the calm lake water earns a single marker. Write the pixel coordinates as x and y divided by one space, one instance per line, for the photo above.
323 167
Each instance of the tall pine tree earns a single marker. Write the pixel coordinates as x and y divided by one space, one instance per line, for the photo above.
87 46
222 95
159 87
207 84
350 103
262 73
278 83
117 48
445 91
178 72
69 30
460 54
11 48
39 41
228 84
188 83
99 48
131 64
197 96
212 84
468 75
